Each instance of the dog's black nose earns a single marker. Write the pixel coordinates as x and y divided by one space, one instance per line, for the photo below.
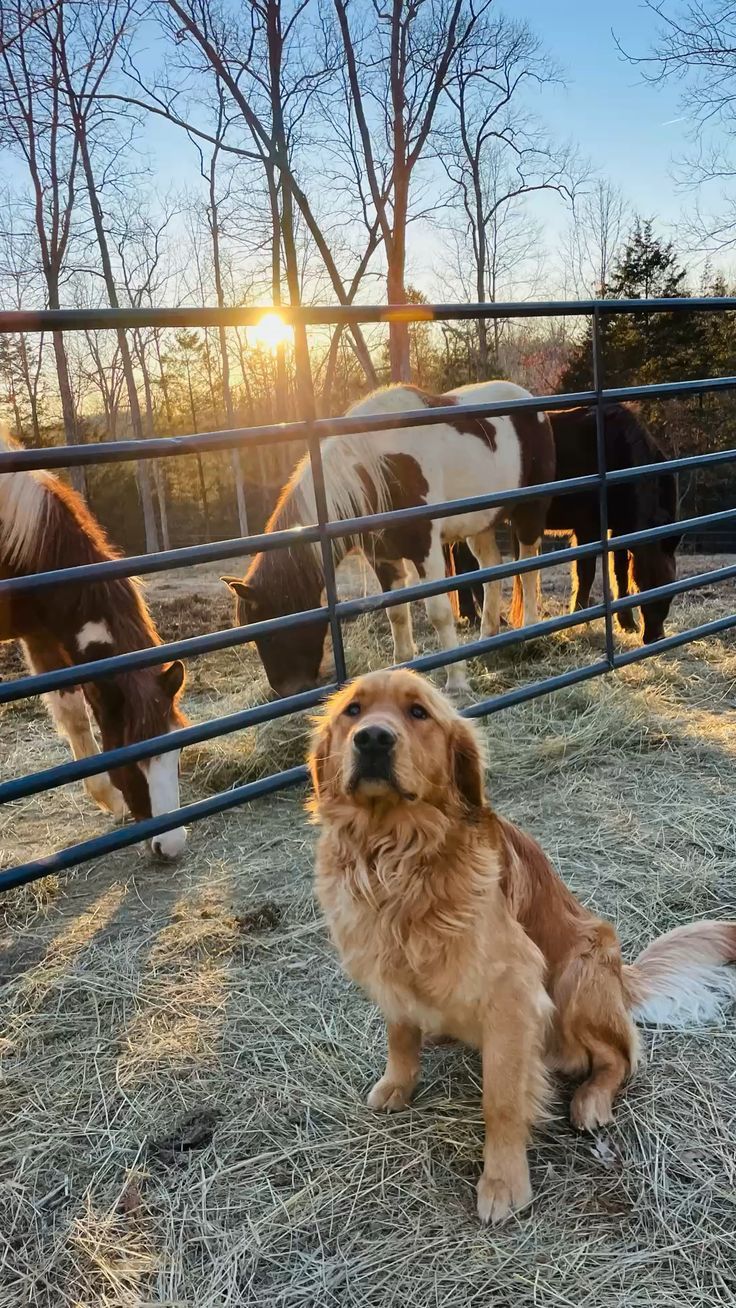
374 740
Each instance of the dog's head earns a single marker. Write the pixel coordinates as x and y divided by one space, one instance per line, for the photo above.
391 738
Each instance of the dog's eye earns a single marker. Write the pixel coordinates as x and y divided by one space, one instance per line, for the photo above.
353 710
417 711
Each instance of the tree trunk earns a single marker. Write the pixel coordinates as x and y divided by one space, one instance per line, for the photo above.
31 388
142 471
304 385
68 409
235 460
330 370
159 474
399 352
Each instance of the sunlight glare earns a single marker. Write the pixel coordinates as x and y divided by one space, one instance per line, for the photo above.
271 332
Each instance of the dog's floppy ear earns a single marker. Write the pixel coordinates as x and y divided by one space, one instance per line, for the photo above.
319 754
467 765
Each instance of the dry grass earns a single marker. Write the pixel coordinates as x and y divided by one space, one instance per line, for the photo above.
181 1109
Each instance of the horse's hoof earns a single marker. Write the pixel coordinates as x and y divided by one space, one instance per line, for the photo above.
627 622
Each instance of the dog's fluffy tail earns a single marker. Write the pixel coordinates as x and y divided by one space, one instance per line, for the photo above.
684 977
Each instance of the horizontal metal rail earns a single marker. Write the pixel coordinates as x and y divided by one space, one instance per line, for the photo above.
159 447
195 646
192 646
80 769
218 551
126 836
123 837
69 320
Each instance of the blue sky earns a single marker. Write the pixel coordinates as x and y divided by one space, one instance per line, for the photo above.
631 130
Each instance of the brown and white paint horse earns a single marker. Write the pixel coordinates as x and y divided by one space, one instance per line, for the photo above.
45 526
395 469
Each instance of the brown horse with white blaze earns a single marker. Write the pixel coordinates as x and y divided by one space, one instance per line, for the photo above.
45 526
397 469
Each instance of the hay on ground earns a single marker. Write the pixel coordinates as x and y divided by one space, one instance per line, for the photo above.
182 1116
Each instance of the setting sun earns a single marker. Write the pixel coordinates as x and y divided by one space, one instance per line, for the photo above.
271 332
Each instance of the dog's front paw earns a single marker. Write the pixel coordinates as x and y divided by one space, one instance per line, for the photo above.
388 1096
502 1191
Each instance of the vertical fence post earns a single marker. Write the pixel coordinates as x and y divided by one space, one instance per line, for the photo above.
328 561
600 433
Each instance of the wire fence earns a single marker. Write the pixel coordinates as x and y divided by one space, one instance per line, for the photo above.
324 532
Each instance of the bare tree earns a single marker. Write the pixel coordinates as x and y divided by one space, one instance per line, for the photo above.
495 152
695 46
20 285
266 66
399 60
84 39
601 219
34 123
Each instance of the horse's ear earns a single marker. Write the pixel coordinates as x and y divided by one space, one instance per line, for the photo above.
467 765
240 588
172 678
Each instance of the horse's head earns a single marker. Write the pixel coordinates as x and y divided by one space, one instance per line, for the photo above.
293 659
136 706
655 565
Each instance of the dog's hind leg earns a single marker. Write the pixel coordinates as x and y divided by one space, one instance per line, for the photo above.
594 1032
396 1086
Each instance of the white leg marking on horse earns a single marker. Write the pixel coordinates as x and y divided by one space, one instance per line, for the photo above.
485 548
93 633
439 612
401 627
162 775
70 714
530 584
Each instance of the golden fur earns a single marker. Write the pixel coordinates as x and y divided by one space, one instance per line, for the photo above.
456 925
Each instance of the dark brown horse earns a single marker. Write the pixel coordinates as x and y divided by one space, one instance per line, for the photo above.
45 526
632 506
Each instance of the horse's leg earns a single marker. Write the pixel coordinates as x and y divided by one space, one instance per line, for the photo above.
528 522
392 575
439 612
485 548
530 582
470 598
626 617
583 576
68 710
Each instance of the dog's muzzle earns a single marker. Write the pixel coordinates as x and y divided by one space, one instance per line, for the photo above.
373 748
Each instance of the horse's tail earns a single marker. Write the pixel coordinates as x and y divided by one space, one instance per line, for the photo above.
23 508
683 977
516 612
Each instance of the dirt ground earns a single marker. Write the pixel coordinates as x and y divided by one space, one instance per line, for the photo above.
182 1116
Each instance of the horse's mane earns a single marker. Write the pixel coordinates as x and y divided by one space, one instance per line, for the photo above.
357 482
61 532
634 446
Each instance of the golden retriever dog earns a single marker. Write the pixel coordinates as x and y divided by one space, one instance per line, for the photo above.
455 923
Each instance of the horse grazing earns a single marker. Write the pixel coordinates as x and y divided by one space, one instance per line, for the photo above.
632 506
395 469
44 525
